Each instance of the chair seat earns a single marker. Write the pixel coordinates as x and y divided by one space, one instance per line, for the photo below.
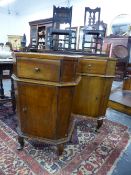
93 32
60 32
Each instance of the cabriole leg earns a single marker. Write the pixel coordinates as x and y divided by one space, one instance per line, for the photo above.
21 143
60 149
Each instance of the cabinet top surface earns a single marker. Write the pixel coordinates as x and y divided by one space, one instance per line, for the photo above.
41 21
60 56
46 55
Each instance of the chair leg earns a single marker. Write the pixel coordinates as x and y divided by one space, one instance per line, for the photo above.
83 42
70 38
101 44
51 42
1 84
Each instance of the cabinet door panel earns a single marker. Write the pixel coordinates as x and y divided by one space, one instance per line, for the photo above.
65 98
38 111
91 96
33 36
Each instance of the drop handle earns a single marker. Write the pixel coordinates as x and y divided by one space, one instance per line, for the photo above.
37 69
24 109
89 65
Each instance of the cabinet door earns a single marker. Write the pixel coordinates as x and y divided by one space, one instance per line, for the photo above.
37 109
91 96
33 36
47 37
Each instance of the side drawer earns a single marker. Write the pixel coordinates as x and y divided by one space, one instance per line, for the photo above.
91 66
48 70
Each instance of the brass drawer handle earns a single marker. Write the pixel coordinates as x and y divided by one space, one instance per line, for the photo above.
24 109
89 66
37 69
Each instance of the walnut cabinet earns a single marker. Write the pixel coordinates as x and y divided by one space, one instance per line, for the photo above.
44 93
92 93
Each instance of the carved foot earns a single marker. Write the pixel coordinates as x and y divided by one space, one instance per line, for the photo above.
99 123
71 138
60 149
21 143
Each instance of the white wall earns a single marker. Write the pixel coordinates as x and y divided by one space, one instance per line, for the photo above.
18 25
35 16
109 10
10 25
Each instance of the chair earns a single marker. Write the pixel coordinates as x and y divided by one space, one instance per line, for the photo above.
61 15
94 30
120 52
102 34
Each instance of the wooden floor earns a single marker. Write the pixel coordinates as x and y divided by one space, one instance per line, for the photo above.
120 100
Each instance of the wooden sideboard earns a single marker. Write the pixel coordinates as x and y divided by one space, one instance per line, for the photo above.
44 92
92 93
39 34
122 60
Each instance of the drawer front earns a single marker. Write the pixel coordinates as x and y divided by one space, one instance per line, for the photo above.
48 70
91 66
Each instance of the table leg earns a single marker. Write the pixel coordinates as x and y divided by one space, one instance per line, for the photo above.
12 93
1 84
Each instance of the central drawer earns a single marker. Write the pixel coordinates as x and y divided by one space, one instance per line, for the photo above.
91 66
48 70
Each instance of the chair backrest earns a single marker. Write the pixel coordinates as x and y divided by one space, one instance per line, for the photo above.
62 15
101 26
92 16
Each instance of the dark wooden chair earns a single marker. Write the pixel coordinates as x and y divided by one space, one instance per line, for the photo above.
121 52
61 15
94 30
101 36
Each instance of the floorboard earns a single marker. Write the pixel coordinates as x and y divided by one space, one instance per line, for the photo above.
120 100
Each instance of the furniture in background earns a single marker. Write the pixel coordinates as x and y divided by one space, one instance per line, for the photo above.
61 16
103 29
7 65
121 47
127 83
92 93
80 38
127 78
74 33
93 32
39 34
44 91
128 69
15 40
120 97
